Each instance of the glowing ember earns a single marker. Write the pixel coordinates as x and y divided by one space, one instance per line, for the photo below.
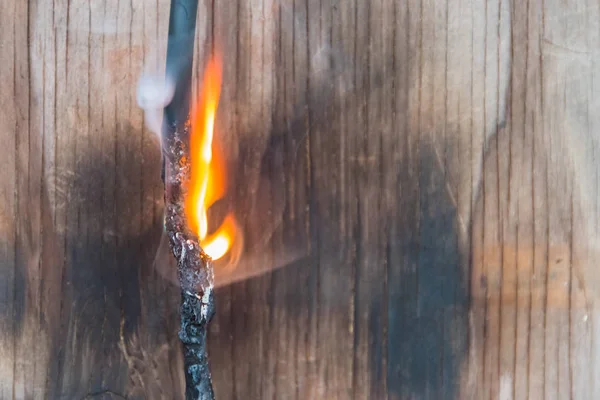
207 170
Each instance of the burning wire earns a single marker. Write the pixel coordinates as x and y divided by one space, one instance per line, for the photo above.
194 266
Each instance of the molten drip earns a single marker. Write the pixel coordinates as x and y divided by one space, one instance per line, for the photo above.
207 182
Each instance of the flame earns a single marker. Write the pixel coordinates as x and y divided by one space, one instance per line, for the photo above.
208 182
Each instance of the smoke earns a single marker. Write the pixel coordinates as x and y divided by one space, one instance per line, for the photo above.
154 93
156 84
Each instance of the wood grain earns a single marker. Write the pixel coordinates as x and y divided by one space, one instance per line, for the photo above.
424 173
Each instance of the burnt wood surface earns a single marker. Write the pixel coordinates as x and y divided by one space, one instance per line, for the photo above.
430 165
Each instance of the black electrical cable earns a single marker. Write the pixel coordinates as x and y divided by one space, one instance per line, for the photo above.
193 265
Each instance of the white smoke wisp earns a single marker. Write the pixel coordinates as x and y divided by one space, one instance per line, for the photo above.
154 93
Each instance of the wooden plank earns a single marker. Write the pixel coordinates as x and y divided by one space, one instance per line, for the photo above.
424 172
25 308
11 123
535 282
372 161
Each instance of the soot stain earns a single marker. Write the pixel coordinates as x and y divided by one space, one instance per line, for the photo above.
113 296
428 293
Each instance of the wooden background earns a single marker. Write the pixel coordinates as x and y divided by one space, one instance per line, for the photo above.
430 164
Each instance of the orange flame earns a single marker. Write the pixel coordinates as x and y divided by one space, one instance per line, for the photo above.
207 182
